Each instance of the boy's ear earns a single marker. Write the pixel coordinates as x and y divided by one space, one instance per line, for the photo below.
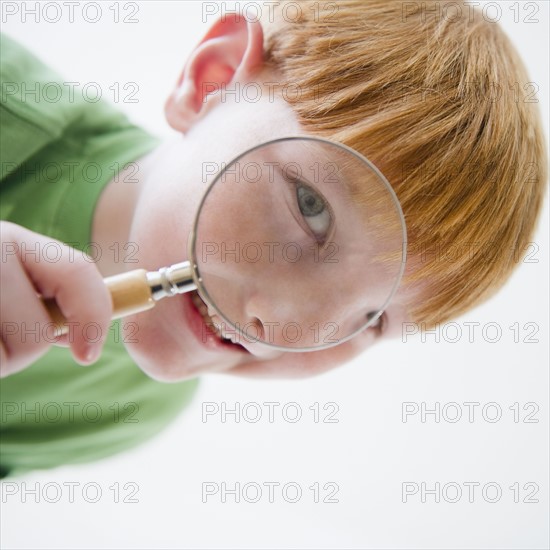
231 51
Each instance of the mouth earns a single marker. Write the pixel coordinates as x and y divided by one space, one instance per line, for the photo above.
209 329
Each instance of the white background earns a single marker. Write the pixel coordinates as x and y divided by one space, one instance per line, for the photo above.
370 451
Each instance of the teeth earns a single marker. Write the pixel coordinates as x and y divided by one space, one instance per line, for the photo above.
220 330
211 319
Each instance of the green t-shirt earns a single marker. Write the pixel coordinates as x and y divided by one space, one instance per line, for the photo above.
59 148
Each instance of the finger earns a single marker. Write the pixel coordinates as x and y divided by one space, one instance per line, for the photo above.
24 334
74 281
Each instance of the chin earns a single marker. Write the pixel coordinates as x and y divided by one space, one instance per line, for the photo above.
160 367
168 349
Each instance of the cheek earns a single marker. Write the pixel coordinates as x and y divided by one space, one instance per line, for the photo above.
164 217
186 166
235 126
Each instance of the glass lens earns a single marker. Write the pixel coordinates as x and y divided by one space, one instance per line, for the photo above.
299 244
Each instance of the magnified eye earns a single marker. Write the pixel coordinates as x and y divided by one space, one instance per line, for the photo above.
314 209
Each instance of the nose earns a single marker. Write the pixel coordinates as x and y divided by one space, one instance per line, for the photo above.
262 317
279 319
258 314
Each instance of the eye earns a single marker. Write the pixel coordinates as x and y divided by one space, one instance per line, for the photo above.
314 209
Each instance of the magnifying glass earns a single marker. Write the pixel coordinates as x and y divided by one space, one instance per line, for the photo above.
298 244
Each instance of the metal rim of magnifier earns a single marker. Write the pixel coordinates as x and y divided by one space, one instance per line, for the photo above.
193 241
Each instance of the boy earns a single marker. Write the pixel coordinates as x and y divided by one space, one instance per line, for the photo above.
398 86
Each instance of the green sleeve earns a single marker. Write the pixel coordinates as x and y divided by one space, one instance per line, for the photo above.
26 125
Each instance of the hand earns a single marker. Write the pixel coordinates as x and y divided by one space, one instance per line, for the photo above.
27 273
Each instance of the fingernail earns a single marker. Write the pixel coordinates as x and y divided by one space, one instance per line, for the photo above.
92 354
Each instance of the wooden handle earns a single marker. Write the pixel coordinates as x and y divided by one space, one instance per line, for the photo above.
130 293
